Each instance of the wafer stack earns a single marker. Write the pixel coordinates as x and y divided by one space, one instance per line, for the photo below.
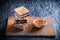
21 12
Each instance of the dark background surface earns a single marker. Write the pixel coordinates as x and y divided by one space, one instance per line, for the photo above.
42 8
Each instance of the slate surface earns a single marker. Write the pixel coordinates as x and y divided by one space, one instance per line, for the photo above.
45 8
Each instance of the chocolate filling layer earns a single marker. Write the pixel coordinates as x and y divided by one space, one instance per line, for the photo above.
19 16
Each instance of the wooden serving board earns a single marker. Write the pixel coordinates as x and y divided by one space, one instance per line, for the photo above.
48 30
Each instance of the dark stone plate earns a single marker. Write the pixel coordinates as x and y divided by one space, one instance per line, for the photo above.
42 8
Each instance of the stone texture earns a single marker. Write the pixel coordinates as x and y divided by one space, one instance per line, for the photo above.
44 8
